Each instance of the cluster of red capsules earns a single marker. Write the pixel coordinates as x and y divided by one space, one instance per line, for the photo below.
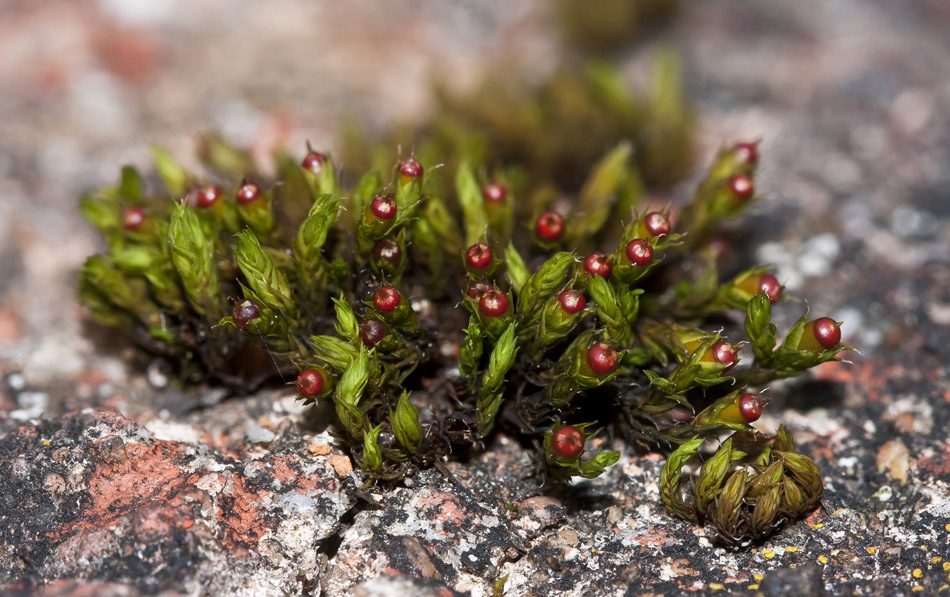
602 359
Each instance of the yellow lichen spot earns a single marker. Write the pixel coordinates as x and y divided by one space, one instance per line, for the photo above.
818 525
758 577
792 549
753 587
823 559
871 550
45 442
943 588
917 588
946 566
947 527
835 513
923 547
918 572
716 586
768 554
935 560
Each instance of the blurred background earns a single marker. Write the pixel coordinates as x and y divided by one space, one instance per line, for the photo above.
850 99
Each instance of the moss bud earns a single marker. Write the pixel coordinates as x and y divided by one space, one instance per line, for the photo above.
383 207
494 193
493 303
639 252
310 383
313 161
602 358
387 299
133 218
567 442
572 301
821 334
478 257
248 193
597 264
656 224
245 312
549 226
373 331
387 251
410 168
742 187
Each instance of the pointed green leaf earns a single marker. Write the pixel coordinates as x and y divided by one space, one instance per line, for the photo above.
405 423
269 284
516 269
193 256
174 176
473 208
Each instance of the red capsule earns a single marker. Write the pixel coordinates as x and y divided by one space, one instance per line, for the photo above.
387 299
310 383
742 186
567 442
821 334
719 248
493 303
383 207
387 250
750 407
724 354
248 192
133 218
478 256
207 196
681 414
191 198
314 161
747 152
494 193
245 312
602 358
769 284
372 332
597 264
827 332
549 226
656 224
410 167
479 288
639 252
572 301
766 283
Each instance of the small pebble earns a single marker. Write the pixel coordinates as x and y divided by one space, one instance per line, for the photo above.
614 515
318 449
54 483
341 464
894 458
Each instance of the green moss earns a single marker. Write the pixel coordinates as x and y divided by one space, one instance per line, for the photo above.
474 347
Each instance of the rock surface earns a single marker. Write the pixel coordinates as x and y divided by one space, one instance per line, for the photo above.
93 495
112 482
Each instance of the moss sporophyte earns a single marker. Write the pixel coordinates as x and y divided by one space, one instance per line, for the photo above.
430 306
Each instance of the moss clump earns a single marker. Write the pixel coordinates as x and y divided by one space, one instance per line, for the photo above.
385 296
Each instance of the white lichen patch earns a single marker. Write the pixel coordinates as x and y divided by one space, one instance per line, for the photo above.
820 421
917 410
212 484
173 432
